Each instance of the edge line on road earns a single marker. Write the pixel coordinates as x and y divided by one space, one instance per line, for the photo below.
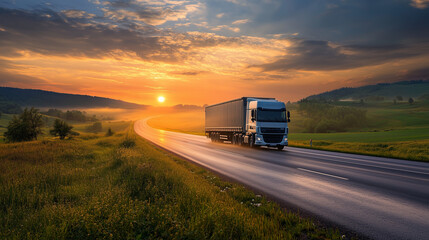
324 174
361 160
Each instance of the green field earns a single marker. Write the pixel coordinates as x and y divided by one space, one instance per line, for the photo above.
122 187
411 134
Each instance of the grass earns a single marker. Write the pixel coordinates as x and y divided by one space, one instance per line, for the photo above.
116 126
122 187
410 150
376 136
4 122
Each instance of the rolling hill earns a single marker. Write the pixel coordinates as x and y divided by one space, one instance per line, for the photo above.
388 91
47 99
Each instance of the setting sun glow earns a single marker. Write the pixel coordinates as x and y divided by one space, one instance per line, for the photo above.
161 99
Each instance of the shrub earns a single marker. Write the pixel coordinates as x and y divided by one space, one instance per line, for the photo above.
61 129
128 143
109 132
25 127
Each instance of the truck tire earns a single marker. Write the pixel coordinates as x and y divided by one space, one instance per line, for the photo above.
251 142
280 147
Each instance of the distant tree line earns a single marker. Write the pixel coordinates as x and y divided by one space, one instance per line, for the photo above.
9 107
73 115
323 117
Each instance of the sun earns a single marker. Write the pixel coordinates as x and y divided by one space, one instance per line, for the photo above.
161 99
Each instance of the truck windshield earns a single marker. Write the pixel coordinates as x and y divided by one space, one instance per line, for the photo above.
271 115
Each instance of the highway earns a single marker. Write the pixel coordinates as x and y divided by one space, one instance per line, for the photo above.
380 198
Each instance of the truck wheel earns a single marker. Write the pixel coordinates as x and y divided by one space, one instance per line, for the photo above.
251 142
280 147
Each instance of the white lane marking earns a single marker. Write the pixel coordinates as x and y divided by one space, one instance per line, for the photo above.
324 174
360 160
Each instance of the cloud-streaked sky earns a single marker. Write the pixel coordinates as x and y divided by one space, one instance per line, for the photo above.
196 52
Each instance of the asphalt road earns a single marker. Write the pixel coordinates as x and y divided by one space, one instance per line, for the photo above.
377 197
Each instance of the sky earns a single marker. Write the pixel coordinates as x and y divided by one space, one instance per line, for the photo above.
204 52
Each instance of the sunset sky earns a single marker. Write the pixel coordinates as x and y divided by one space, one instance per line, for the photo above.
197 52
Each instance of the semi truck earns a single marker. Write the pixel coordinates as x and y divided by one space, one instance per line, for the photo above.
248 121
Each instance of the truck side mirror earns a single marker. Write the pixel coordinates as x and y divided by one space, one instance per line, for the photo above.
288 116
253 119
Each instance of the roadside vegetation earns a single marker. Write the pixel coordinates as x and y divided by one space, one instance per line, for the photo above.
121 187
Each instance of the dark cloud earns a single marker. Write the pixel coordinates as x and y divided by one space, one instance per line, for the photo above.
51 33
134 11
364 22
47 32
325 56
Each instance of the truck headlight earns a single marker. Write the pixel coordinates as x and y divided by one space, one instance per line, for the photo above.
258 138
285 139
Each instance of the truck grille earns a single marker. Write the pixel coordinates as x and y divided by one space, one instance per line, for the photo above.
272 130
273 138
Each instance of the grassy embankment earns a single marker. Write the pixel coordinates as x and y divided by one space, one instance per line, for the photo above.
398 131
122 187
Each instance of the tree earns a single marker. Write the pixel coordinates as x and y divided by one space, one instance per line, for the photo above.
411 100
61 129
25 127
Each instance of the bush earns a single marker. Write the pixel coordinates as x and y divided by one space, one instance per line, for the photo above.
61 129
128 143
109 132
25 127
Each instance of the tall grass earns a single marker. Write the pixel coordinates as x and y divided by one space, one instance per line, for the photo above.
411 150
101 188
